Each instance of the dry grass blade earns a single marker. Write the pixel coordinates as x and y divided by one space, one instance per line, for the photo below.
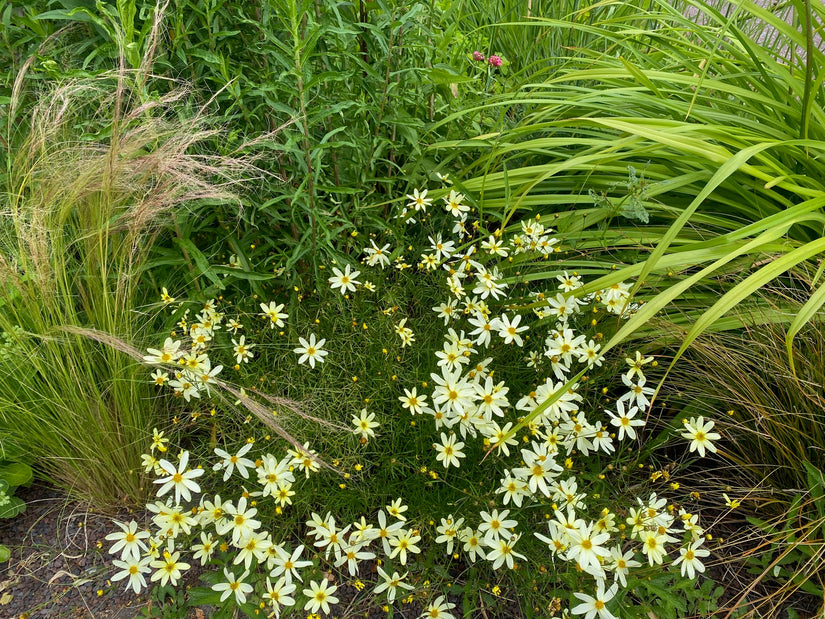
97 168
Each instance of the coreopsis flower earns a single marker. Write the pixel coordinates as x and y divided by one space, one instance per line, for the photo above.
286 565
620 563
624 420
453 203
562 307
590 354
134 569
419 200
593 606
700 436
172 520
240 520
128 540
351 554
428 262
387 532
489 284
207 376
320 596
495 246
404 542
332 539
438 609
501 551
364 424
689 558
568 283
452 391
448 532
273 474
166 297
396 509
451 357
305 459
498 437
482 331
492 398
344 281
229 462
413 402
653 546
636 364
235 585
731 503
158 441
169 569
638 393
473 543
272 311
151 464
443 249
513 489
242 351
169 353
185 387
495 525
181 479
391 584
449 451
194 362
446 310
253 546
205 549
405 333
363 531
586 548
564 344
213 512
160 378
311 350
278 595
378 255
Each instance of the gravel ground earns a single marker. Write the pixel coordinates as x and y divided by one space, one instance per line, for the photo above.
56 569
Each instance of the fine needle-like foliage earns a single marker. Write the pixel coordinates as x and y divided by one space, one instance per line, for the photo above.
80 211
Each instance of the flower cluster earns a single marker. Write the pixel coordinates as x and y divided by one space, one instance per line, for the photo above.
540 438
211 530
468 402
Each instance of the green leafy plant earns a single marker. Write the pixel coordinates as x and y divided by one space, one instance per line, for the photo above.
729 177
12 475
350 86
